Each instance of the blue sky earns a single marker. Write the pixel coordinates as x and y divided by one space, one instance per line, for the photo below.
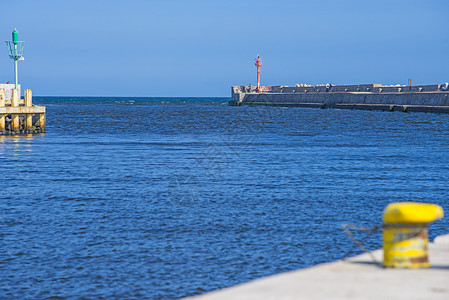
200 48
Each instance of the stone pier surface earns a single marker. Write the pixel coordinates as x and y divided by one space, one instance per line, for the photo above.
353 278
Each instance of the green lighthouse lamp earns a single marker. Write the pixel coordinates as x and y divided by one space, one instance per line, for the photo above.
15 52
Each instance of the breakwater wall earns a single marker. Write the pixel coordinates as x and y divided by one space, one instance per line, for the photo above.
426 98
20 116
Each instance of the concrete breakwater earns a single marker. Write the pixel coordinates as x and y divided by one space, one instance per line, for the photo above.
424 98
20 116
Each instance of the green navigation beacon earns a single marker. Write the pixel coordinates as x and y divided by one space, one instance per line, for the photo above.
15 52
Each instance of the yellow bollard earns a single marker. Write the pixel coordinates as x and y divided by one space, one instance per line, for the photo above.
405 233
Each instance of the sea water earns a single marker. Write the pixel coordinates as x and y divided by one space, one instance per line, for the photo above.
161 198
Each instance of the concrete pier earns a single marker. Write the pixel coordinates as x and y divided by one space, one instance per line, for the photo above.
426 98
20 116
354 278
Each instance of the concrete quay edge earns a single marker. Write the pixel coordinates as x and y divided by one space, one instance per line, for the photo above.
356 277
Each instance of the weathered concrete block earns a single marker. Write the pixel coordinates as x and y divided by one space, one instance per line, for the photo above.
8 88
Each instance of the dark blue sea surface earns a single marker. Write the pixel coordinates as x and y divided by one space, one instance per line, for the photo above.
161 198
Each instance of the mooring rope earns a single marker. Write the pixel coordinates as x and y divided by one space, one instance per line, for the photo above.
347 229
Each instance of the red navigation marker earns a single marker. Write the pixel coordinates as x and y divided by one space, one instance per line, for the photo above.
258 64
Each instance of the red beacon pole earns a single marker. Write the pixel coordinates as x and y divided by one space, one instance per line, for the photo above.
258 64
